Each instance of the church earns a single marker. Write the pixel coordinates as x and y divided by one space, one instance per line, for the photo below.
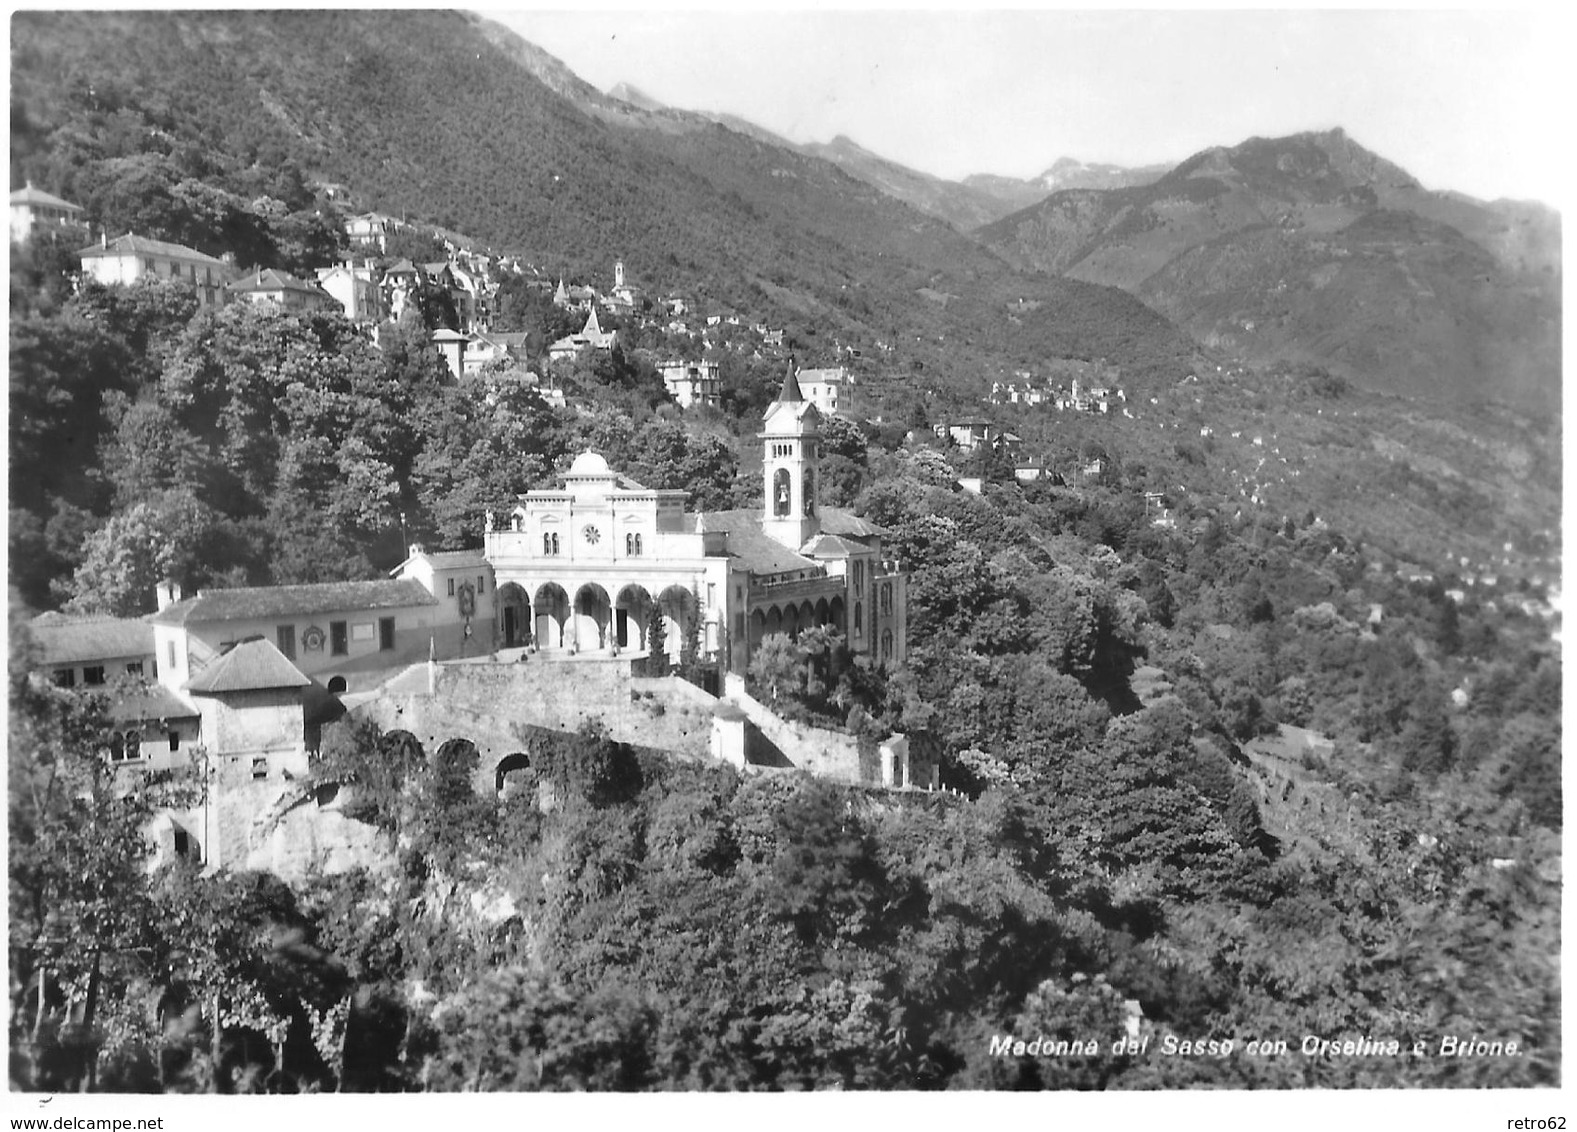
584 568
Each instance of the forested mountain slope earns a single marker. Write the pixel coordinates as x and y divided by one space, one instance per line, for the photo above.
688 204
1311 248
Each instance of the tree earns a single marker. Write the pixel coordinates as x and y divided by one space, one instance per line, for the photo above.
775 668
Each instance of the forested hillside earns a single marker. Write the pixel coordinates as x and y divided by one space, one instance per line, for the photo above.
687 204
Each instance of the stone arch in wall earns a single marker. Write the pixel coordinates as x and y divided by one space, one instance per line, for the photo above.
807 615
593 617
511 769
758 628
838 616
552 611
514 615
823 612
774 622
791 622
336 685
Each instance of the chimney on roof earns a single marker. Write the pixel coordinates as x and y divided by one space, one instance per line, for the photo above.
167 593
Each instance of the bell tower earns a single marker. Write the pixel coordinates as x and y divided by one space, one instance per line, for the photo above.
791 457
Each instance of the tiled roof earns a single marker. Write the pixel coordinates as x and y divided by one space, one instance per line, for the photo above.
830 546
71 640
790 391
759 551
837 521
250 666
30 195
154 703
446 560
832 376
271 280
294 601
141 245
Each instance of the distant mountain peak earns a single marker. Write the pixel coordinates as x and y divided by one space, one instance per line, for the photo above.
1317 160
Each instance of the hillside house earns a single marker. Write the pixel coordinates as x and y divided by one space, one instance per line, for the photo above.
372 229
591 336
484 349
35 210
451 345
968 434
355 289
280 289
128 258
830 390
693 383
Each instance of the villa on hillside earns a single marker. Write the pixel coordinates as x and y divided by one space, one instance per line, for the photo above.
34 209
591 335
129 258
281 289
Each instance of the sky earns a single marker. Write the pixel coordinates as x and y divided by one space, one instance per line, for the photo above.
1462 100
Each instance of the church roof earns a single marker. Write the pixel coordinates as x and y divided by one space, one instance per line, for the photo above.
837 521
790 392
759 551
830 546
250 666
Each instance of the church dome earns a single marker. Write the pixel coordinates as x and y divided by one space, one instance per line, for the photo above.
590 464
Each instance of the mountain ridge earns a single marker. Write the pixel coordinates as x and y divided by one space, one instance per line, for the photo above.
1300 248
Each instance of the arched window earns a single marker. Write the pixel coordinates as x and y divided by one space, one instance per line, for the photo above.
547 543
859 573
632 545
810 491
780 492
858 608
887 644
887 599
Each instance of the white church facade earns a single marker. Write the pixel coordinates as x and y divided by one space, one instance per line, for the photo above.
584 567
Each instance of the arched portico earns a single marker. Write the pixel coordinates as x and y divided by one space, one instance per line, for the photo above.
514 615
593 615
632 613
807 615
552 610
758 628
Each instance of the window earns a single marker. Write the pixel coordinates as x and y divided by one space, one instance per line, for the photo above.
134 668
65 677
182 843
858 610
173 666
887 599
550 544
133 745
385 633
259 768
338 643
285 638
93 674
780 492
175 740
632 545
481 583
451 587
859 574
887 644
